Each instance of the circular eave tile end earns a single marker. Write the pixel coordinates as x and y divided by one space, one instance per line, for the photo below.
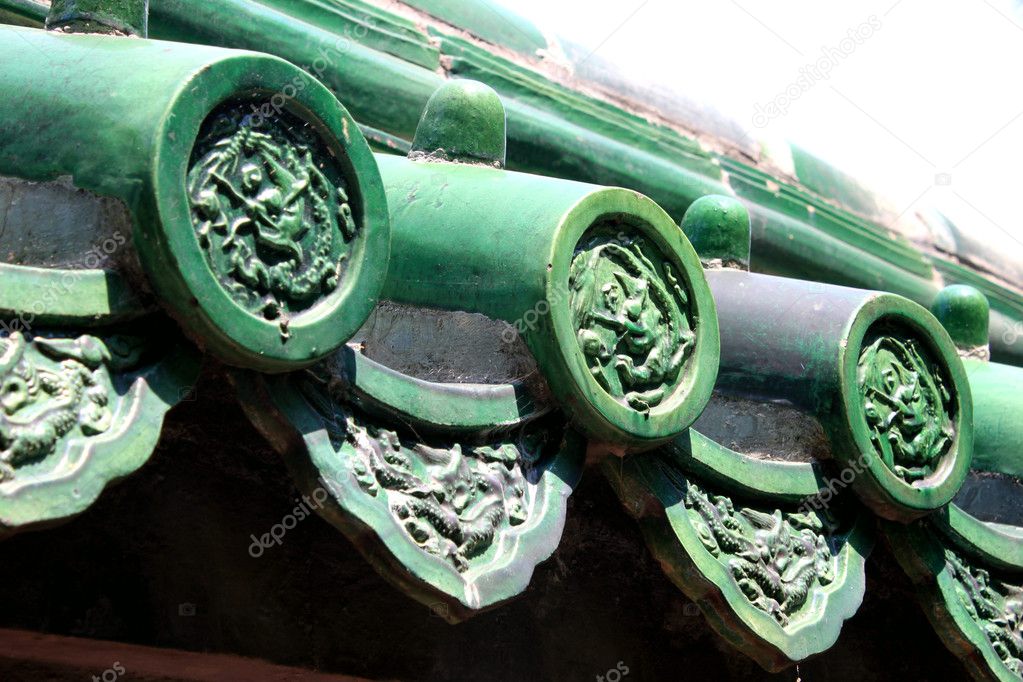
270 239
907 405
635 330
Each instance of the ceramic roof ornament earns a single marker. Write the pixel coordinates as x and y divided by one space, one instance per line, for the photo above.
775 573
255 208
718 227
256 219
440 400
877 370
454 490
396 63
965 314
82 409
967 559
772 556
463 122
604 289
88 367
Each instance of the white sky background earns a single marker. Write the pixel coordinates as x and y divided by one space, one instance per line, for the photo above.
935 89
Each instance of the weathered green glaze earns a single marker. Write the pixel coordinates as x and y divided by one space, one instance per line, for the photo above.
997 401
23 13
964 313
567 265
454 491
785 482
78 298
996 545
997 408
367 24
718 227
784 199
1006 316
490 21
907 404
970 570
388 94
455 513
80 411
994 603
975 607
379 90
124 17
553 129
607 294
775 578
830 182
259 221
878 371
467 59
791 247
383 391
258 217
464 121
272 213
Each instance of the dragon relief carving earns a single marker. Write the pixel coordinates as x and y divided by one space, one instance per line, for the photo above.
996 607
777 559
52 389
270 211
453 501
631 321
907 404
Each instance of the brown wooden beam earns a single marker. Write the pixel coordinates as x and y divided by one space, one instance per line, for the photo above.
31 656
